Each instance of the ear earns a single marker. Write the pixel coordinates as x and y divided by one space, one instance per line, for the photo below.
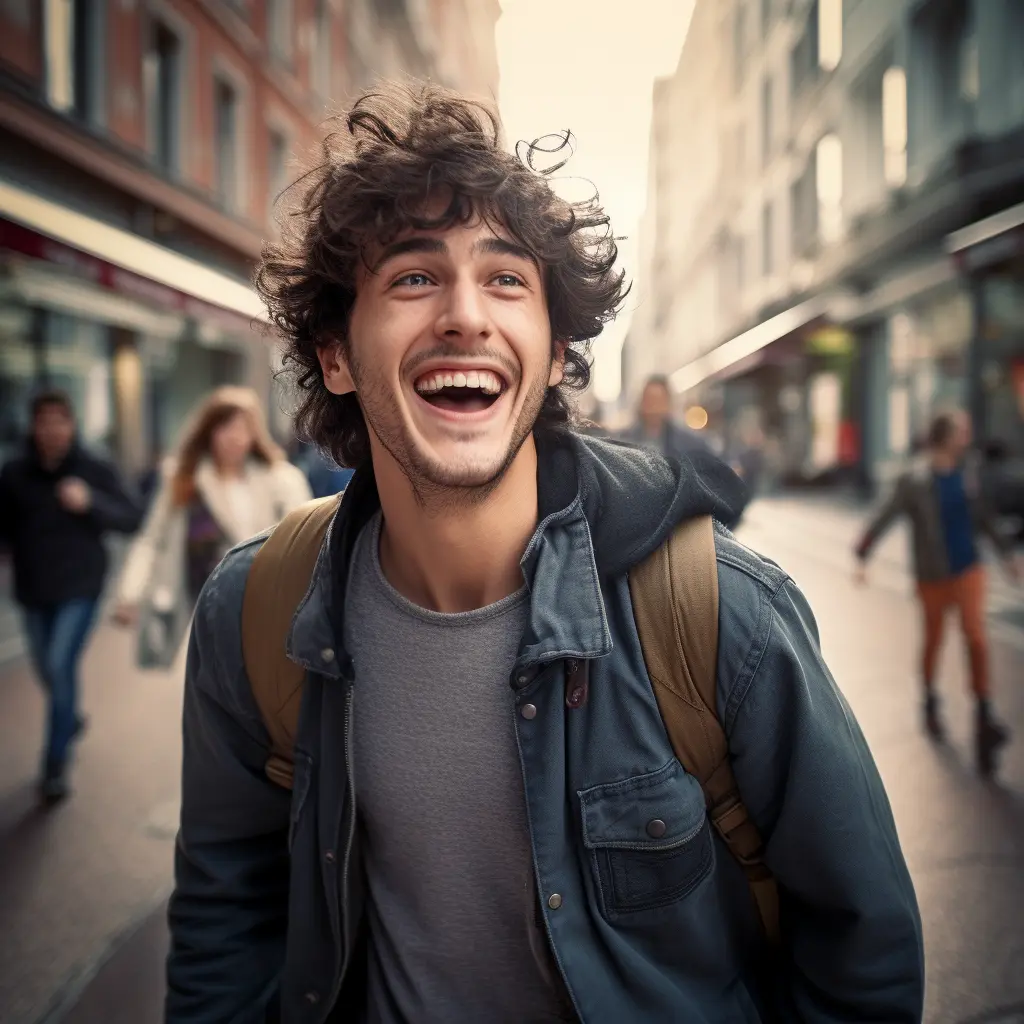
557 364
337 376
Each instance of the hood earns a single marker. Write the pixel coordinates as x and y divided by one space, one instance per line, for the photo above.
632 498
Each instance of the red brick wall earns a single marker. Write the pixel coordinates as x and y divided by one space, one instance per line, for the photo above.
21 43
126 104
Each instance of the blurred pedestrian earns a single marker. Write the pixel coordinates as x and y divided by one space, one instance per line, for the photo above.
489 818
941 498
228 481
57 501
325 476
656 430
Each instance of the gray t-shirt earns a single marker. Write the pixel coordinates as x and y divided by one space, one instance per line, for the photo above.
454 932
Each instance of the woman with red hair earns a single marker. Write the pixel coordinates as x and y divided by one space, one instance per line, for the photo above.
229 481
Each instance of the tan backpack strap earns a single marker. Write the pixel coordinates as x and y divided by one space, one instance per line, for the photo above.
675 605
278 580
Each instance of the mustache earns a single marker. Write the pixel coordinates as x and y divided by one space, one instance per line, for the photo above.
460 352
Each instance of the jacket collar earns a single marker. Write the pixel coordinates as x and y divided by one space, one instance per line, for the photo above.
567 611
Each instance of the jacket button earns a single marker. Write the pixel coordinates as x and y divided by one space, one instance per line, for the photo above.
528 711
312 998
327 654
555 900
656 828
330 857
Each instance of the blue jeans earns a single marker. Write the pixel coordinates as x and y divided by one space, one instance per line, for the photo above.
56 638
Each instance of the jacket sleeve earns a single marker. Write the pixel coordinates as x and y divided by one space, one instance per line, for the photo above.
853 947
886 516
228 913
6 508
138 564
113 506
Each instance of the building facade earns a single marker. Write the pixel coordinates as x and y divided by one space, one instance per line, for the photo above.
816 162
142 145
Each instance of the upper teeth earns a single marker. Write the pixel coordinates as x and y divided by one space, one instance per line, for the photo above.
489 383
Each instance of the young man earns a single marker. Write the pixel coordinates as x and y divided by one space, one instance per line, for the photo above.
56 503
941 497
468 836
657 430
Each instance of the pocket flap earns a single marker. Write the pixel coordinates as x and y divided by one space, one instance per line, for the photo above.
630 814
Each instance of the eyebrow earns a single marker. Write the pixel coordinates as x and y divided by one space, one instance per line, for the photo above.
437 246
503 247
415 244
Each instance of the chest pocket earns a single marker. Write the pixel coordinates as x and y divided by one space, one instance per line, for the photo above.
649 839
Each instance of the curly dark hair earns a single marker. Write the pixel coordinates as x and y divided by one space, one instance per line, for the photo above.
401 150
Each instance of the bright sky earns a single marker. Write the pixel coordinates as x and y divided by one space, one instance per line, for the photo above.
589 65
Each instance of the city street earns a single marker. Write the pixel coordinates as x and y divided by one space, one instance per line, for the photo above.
82 887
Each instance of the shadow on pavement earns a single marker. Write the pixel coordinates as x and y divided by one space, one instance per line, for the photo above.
128 987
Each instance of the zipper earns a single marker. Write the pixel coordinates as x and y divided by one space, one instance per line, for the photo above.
346 860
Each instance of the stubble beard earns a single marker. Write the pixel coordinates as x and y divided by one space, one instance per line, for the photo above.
439 487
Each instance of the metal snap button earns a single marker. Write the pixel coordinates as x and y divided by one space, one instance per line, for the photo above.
312 998
529 711
555 900
656 828
327 654
330 857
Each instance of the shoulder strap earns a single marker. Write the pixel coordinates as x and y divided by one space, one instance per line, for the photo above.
278 580
675 605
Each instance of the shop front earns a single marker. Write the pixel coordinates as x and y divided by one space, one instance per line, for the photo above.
128 329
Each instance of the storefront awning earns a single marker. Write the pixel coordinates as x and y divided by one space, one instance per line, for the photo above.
143 265
745 345
992 240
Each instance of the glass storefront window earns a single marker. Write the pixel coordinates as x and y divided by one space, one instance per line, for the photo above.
19 371
1002 359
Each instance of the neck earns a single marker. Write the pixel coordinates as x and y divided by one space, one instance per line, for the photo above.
654 428
944 462
51 460
229 472
457 555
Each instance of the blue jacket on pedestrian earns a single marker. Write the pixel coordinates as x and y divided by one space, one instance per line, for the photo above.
267 913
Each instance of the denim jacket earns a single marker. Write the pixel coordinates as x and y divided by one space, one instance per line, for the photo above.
267 913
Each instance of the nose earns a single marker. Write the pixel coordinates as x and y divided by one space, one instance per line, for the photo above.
464 315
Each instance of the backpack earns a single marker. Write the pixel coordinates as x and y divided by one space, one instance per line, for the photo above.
674 593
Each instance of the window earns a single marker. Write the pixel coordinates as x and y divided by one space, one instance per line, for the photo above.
829 182
277 169
767 128
894 126
768 240
74 58
322 50
280 27
225 99
830 34
162 72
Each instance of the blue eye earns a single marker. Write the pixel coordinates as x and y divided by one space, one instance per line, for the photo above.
414 280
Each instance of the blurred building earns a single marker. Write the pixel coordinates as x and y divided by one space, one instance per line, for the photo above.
838 230
142 144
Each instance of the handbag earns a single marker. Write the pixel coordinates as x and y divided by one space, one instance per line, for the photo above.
167 611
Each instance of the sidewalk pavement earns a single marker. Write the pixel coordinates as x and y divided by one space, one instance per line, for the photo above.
76 878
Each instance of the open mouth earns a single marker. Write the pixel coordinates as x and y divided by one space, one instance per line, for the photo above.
460 391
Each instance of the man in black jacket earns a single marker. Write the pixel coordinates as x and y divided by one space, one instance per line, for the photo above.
56 502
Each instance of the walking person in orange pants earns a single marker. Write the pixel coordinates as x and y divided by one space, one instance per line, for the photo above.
942 499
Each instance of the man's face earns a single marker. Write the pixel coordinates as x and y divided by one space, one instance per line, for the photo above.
655 404
53 431
450 354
